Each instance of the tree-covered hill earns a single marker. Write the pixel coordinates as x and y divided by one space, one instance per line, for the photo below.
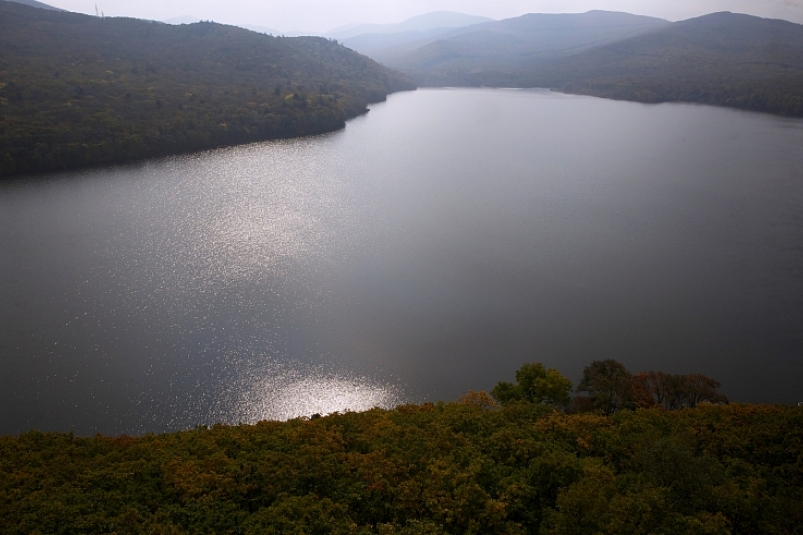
77 90
457 468
723 59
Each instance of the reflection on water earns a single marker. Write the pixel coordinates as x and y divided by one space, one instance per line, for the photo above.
430 248
143 291
216 220
259 389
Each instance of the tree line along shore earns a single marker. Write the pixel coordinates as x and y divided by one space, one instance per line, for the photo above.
526 466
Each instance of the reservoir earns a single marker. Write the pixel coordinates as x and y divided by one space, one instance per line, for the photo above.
430 248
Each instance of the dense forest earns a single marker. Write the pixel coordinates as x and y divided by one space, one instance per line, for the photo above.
429 469
77 90
472 466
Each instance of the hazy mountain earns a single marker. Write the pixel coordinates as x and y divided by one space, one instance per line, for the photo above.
420 23
511 45
388 48
723 58
34 3
78 90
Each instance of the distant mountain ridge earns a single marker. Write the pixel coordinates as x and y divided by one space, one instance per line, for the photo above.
386 48
723 58
512 44
726 59
420 23
499 45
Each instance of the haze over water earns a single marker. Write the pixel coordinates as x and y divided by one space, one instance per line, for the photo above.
430 248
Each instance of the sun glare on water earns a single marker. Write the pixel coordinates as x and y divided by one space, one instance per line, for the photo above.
280 390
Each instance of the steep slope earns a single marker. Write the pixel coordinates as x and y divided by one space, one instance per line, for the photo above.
497 50
723 58
78 90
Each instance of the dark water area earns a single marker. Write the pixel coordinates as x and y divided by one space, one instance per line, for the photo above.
430 248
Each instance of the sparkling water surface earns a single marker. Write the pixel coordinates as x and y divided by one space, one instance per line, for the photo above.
428 249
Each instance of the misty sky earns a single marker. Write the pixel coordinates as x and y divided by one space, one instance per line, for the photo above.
322 15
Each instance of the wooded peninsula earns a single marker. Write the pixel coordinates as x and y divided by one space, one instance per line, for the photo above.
78 91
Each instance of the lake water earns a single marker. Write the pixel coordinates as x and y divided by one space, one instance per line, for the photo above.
430 248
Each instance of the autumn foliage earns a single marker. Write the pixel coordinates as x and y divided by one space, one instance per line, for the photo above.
611 388
458 468
608 387
671 392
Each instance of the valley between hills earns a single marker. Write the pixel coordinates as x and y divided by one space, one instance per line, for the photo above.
722 59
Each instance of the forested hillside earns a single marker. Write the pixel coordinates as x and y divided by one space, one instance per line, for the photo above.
77 90
724 59
458 468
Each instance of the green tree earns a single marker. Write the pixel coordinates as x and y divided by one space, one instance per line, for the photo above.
609 385
536 384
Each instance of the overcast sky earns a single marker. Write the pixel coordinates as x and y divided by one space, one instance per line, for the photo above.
322 15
